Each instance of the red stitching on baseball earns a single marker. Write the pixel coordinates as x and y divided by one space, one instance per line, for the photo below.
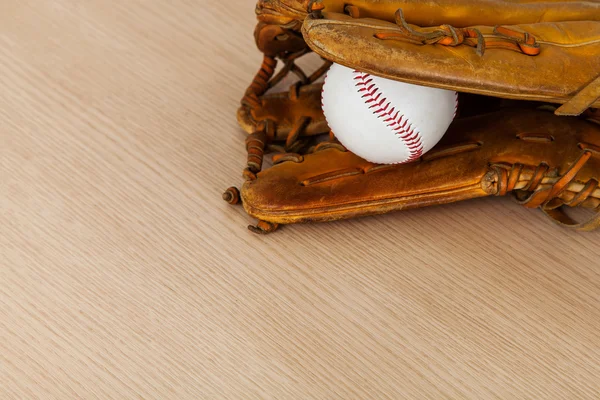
399 124
455 105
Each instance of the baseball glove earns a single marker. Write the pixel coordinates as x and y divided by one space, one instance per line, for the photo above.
528 77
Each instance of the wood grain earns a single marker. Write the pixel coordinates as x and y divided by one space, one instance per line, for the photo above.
124 275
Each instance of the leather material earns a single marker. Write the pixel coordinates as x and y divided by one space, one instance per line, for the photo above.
460 13
586 98
513 63
463 13
285 109
568 61
332 184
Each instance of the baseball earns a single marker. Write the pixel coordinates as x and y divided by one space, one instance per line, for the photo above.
385 121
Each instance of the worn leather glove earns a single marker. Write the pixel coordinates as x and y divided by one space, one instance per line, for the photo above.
515 63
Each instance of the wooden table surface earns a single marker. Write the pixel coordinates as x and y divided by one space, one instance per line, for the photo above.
124 275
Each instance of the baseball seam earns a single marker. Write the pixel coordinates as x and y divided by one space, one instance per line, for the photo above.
400 125
392 118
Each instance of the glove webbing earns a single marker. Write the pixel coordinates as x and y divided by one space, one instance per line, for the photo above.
510 177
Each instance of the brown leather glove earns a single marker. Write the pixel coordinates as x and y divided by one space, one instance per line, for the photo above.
505 140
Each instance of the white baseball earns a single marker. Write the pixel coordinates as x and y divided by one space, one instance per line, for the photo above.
385 121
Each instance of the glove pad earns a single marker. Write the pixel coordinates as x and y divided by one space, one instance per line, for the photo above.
332 184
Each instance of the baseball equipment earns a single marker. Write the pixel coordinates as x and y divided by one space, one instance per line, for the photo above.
528 77
385 121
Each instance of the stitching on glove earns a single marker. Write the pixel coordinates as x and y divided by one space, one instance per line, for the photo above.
504 178
447 35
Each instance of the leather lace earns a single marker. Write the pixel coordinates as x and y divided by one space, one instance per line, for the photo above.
540 187
262 139
447 35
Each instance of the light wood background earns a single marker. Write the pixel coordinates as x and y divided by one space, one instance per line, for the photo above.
124 275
